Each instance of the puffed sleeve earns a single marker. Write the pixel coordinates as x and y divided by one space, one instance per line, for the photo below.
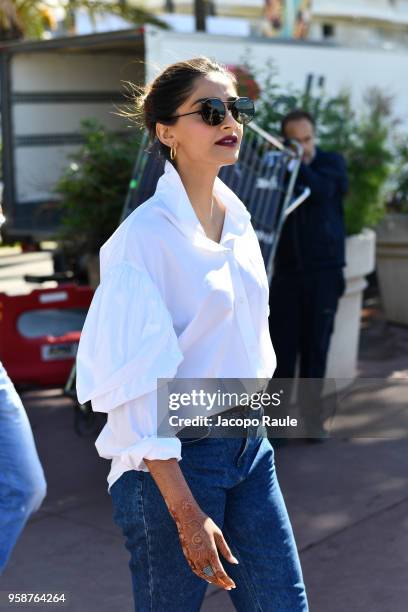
127 342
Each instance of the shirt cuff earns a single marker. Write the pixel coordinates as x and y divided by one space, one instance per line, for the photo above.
150 447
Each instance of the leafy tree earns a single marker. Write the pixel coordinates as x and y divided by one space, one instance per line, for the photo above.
31 18
122 8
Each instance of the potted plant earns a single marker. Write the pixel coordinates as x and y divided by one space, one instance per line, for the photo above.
392 241
93 190
368 156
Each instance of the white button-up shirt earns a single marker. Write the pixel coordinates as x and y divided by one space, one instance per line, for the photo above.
172 303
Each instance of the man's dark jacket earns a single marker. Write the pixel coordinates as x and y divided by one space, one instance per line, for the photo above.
313 236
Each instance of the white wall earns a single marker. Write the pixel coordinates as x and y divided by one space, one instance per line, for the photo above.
381 10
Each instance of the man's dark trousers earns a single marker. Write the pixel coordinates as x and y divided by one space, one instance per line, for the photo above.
303 308
302 313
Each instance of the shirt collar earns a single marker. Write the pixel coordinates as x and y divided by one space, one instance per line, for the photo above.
176 205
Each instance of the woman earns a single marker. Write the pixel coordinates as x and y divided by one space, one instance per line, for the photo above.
184 294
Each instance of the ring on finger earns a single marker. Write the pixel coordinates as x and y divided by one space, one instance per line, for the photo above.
208 570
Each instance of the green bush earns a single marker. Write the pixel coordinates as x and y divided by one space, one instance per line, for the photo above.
93 188
397 200
369 156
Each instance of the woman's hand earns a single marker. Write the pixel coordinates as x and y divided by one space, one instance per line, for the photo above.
201 540
200 537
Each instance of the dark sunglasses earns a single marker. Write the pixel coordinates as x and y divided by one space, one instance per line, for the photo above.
213 110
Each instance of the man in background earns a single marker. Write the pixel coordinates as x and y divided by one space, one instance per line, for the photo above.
308 271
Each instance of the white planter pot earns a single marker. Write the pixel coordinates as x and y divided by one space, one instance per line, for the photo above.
343 352
392 266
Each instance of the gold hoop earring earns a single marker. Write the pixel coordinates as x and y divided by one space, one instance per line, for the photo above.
173 153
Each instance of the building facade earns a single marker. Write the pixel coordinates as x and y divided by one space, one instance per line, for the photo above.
373 23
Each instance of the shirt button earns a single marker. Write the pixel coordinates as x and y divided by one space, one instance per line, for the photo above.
241 300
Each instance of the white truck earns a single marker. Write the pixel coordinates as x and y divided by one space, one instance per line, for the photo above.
48 87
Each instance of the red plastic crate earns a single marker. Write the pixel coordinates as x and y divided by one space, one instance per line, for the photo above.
39 333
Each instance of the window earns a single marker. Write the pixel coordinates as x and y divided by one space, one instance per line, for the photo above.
328 30
51 322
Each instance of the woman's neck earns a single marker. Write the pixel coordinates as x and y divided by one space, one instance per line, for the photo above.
198 182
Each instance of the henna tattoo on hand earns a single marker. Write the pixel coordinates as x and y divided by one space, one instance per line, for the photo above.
189 523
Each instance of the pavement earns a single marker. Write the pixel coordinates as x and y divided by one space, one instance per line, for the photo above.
347 498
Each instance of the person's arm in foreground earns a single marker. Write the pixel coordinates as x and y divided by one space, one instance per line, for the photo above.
199 535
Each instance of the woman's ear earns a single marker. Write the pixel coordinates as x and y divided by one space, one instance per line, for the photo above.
164 134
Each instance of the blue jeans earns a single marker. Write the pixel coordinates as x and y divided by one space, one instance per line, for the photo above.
22 482
234 481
